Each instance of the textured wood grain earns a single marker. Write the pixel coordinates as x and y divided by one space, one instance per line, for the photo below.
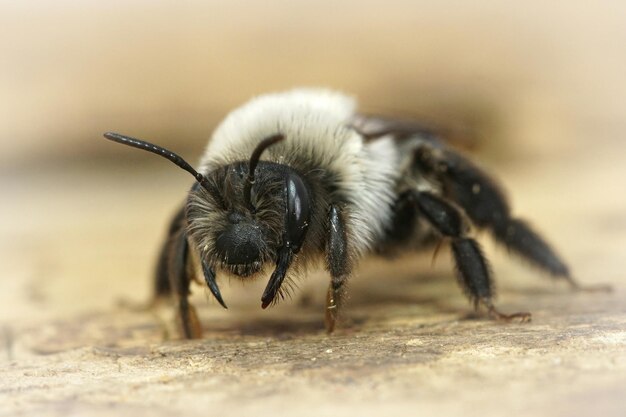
407 344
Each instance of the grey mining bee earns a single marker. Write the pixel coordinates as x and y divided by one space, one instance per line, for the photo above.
295 178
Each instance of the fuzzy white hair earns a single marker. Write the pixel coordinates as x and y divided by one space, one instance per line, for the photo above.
316 124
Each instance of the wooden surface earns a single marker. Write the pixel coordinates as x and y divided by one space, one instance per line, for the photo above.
78 238
541 83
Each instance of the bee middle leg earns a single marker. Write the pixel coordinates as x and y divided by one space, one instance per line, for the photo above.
472 268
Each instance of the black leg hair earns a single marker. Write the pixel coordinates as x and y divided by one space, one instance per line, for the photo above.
487 207
338 261
180 281
162 285
472 268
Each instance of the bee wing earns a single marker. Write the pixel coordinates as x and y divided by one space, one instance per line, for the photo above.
372 127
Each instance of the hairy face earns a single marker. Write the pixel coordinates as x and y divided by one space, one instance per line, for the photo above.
233 234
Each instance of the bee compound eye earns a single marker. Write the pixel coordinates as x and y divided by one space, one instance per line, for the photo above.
298 212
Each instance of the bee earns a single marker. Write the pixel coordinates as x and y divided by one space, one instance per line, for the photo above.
294 179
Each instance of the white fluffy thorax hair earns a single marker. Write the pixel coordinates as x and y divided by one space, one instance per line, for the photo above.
316 124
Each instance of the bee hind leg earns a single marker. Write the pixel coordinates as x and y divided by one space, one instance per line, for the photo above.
486 205
472 268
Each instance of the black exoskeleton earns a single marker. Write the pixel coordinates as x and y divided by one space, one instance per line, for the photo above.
334 186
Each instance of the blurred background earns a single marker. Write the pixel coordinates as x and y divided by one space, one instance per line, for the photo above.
537 89
534 89
171 70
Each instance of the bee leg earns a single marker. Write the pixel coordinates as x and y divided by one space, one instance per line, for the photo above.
162 287
173 273
472 268
180 281
485 204
338 263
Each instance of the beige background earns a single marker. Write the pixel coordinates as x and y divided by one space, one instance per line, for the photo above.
539 91
170 70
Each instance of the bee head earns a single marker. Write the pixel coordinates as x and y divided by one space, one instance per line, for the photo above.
250 212
243 215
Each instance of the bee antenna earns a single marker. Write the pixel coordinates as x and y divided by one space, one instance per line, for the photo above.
254 160
147 146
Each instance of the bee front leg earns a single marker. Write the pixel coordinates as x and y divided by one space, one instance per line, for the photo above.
339 265
162 285
180 281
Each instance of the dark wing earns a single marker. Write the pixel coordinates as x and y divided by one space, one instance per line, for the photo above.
372 127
